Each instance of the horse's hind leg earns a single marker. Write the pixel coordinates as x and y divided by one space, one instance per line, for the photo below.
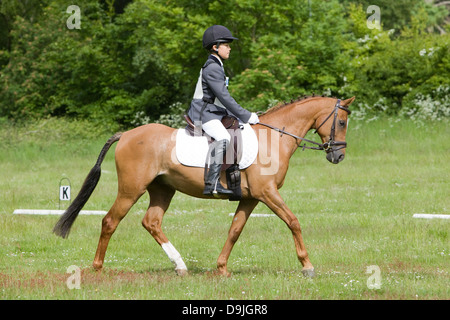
119 210
160 197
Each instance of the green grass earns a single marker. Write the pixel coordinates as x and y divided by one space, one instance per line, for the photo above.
353 215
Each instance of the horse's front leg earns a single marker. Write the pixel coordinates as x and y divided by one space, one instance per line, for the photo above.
273 200
243 211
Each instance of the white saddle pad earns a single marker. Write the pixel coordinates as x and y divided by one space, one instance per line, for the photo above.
192 151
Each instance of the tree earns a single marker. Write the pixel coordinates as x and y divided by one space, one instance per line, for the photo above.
138 61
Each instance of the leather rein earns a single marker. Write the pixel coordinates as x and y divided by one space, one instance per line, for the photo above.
327 146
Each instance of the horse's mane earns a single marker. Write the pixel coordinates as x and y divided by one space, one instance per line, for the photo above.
299 99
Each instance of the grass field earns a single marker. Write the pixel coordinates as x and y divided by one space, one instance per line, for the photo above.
353 215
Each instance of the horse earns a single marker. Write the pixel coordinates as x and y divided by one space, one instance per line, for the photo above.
144 163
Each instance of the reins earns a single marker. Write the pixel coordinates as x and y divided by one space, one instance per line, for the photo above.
320 146
327 146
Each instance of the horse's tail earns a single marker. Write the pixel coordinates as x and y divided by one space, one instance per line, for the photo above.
62 227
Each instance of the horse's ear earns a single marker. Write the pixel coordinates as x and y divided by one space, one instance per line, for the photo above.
348 101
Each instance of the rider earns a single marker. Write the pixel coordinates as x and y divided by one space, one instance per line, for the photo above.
212 102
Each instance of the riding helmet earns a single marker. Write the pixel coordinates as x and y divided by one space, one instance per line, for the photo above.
216 34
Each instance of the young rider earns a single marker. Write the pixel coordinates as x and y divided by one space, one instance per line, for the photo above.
212 102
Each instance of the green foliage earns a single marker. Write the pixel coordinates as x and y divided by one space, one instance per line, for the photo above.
393 70
296 55
138 61
400 13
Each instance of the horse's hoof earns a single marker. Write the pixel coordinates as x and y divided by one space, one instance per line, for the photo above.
309 273
225 274
97 267
181 272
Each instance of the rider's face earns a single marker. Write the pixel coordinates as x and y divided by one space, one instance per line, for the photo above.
224 50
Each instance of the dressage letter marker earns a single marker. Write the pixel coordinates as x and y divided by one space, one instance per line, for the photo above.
64 193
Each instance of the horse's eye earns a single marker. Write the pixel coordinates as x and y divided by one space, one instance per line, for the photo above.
342 123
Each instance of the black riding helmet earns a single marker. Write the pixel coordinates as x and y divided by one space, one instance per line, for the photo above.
216 34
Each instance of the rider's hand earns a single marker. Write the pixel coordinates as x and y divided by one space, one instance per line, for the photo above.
253 118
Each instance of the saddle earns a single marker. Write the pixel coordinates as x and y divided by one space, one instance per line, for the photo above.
231 158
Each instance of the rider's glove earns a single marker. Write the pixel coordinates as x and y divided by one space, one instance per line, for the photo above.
253 118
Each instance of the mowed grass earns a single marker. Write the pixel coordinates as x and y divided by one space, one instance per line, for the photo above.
353 215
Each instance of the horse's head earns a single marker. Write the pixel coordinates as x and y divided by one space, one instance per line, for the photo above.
331 125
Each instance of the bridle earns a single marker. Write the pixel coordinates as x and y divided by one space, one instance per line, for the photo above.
329 146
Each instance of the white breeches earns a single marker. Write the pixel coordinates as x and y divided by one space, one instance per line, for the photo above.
216 130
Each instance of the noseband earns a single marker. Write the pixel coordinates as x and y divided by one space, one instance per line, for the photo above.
332 143
327 146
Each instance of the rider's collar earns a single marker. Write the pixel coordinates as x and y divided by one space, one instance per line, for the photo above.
216 58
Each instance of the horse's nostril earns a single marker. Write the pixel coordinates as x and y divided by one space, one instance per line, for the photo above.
335 157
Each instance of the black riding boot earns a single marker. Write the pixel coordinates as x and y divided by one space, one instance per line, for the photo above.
212 177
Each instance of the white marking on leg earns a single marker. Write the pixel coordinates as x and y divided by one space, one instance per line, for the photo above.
174 256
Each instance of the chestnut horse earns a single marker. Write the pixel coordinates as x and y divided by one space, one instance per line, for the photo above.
144 162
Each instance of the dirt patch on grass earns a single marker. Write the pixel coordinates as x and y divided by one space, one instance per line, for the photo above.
88 277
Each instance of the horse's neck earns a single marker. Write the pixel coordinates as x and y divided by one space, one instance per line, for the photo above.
297 118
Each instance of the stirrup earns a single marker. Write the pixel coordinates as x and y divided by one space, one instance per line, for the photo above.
217 190
216 193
